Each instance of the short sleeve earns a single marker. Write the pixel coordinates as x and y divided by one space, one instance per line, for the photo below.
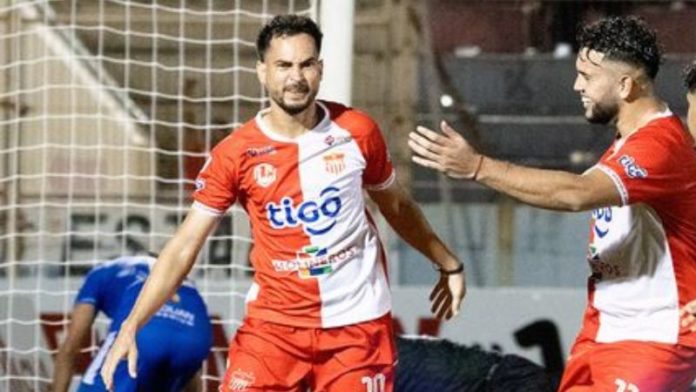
95 286
379 172
216 184
645 168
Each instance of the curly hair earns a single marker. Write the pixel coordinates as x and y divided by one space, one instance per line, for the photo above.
286 25
690 77
627 39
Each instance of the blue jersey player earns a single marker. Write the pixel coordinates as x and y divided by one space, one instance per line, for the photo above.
172 345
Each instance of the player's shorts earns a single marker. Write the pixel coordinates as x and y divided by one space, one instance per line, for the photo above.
266 356
629 366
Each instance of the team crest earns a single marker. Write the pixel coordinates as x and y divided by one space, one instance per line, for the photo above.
334 163
264 174
241 380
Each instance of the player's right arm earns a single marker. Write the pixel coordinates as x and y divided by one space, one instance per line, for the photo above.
81 321
172 266
449 153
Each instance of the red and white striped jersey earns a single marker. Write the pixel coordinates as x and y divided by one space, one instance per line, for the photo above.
643 253
318 259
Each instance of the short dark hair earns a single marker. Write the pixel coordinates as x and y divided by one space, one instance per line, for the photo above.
286 25
690 77
627 39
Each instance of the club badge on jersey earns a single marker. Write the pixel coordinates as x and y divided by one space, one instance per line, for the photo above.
265 174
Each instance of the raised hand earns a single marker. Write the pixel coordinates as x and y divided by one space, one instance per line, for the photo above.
447 152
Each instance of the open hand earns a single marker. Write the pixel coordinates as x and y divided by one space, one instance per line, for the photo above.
447 295
123 347
448 152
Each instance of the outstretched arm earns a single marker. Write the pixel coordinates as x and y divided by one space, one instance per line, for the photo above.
407 219
172 266
449 153
79 328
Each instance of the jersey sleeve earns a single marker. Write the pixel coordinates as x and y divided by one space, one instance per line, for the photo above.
216 184
95 286
643 169
379 172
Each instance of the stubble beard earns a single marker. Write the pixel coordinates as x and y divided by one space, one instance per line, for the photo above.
294 109
603 114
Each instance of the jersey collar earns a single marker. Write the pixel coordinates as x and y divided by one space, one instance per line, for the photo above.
323 125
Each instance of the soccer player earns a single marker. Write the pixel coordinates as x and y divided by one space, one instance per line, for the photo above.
172 345
318 313
642 246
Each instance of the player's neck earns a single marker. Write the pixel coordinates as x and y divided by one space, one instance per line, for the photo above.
292 125
638 113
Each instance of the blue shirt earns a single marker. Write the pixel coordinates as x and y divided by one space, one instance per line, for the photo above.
113 287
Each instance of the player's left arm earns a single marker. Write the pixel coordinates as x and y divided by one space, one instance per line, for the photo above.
79 328
406 218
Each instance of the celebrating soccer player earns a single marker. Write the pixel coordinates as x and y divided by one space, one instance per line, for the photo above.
642 249
318 313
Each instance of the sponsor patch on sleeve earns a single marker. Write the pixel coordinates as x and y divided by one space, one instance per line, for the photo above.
632 169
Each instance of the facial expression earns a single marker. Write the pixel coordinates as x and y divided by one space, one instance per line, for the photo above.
691 115
291 72
598 84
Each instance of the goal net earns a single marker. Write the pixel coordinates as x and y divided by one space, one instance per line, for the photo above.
107 112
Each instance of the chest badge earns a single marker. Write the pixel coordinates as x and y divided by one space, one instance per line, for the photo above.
264 174
334 163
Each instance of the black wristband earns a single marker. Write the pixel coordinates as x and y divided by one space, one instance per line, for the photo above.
455 271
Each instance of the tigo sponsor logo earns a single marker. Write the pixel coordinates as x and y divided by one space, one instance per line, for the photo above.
316 216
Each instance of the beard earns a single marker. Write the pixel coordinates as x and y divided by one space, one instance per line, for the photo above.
295 107
603 113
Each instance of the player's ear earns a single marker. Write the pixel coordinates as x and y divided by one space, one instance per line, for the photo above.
321 69
261 72
627 86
